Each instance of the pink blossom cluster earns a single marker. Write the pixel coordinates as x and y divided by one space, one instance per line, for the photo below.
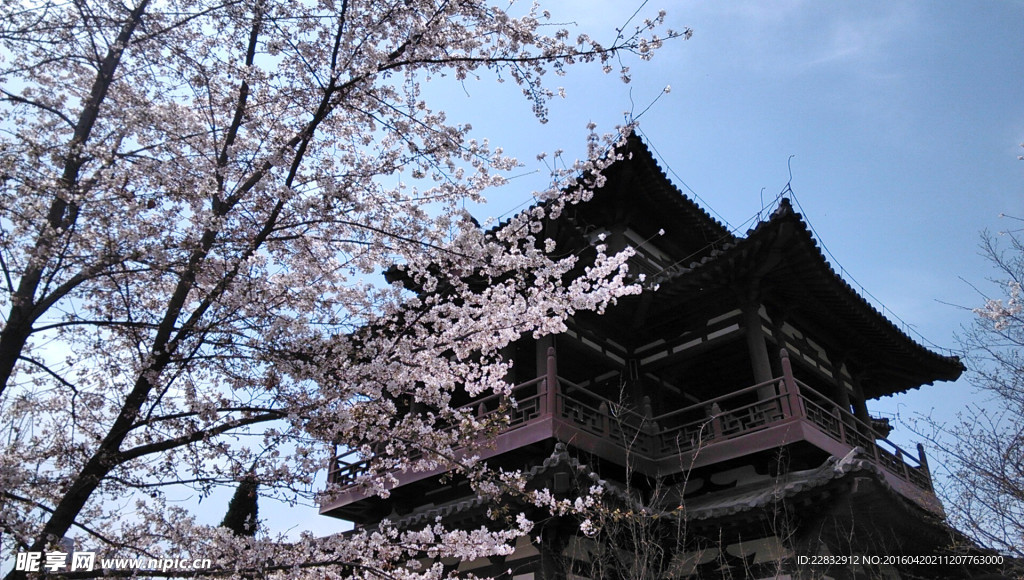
197 203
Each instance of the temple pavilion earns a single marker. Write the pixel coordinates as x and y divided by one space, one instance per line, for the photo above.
727 407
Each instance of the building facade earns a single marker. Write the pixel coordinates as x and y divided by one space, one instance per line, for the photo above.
724 411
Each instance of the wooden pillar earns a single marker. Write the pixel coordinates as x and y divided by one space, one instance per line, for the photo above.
843 395
860 408
845 403
777 320
551 382
757 348
542 346
789 384
923 460
553 539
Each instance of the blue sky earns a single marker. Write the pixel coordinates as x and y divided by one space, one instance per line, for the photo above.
904 120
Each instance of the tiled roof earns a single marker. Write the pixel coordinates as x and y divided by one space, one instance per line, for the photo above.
783 252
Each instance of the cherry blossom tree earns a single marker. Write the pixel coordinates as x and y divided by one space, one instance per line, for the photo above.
197 199
984 447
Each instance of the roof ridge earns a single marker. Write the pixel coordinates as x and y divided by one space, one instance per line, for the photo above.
633 140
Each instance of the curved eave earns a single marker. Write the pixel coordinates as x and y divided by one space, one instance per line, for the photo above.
649 181
792 271
675 207
791 485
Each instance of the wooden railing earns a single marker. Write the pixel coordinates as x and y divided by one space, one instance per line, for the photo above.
848 429
728 417
722 418
526 403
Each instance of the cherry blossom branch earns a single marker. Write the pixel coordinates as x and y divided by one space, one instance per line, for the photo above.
85 528
136 452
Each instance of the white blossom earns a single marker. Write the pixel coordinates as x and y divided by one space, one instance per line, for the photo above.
197 202
1002 314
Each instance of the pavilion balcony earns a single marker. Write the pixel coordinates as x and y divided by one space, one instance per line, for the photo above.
755 419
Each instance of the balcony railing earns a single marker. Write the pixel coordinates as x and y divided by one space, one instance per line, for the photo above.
658 439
